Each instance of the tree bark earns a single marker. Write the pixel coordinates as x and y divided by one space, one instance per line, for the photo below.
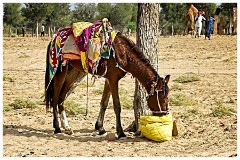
10 31
37 30
215 30
147 41
235 20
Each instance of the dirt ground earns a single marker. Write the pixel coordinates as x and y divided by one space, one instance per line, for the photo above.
29 132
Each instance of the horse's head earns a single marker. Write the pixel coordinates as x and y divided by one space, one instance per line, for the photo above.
158 99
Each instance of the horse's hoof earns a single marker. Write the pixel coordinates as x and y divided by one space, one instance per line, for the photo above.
121 136
101 132
68 131
137 133
58 130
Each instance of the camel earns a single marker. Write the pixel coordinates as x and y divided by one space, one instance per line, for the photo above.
190 16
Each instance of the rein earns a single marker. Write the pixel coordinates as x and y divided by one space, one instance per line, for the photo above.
153 88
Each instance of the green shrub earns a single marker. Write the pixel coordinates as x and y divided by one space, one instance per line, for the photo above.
6 108
98 90
187 78
83 83
72 108
181 100
21 103
221 111
177 86
6 78
126 98
24 56
191 112
126 102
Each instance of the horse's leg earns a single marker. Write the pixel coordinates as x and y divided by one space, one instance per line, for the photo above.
59 79
186 24
191 17
103 104
117 107
72 76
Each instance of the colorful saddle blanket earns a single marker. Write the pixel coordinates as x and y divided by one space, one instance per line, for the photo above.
86 41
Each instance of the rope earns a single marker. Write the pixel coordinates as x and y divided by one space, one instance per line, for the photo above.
87 98
159 106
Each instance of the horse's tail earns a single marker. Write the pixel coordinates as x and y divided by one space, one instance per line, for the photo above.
48 85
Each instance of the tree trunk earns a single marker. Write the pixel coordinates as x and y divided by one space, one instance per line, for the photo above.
235 20
147 41
10 31
49 31
33 32
215 28
37 30
230 23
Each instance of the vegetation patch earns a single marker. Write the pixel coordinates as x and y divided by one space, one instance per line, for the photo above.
191 112
187 78
83 84
6 78
72 108
125 98
6 108
126 102
24 56
22 103
181 100
98 91
177 86
221 110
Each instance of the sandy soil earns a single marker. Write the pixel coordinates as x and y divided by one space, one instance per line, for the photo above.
29 132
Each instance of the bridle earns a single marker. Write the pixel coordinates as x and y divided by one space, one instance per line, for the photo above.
151 93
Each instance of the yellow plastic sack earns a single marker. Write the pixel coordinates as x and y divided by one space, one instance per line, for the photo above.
156 128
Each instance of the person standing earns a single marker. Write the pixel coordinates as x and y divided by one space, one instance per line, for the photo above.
23 30
198 24
209 28
42 30
129 32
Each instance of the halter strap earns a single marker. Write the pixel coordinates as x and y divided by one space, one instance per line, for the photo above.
153 85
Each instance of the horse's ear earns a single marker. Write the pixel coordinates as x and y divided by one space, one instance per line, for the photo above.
119 33
167 78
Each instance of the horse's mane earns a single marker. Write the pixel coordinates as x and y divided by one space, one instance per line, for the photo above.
137 52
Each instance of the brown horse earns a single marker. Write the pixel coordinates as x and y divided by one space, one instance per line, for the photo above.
125 57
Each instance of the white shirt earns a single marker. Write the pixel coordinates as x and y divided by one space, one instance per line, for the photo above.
199 21
42 28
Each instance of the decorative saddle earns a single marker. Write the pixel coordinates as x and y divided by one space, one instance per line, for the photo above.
83 40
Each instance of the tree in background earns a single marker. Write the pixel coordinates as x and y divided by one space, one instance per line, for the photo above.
35 13
84 12
172 17
103 10
208 8
133 22
59 16
12 16
121 15
227 12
